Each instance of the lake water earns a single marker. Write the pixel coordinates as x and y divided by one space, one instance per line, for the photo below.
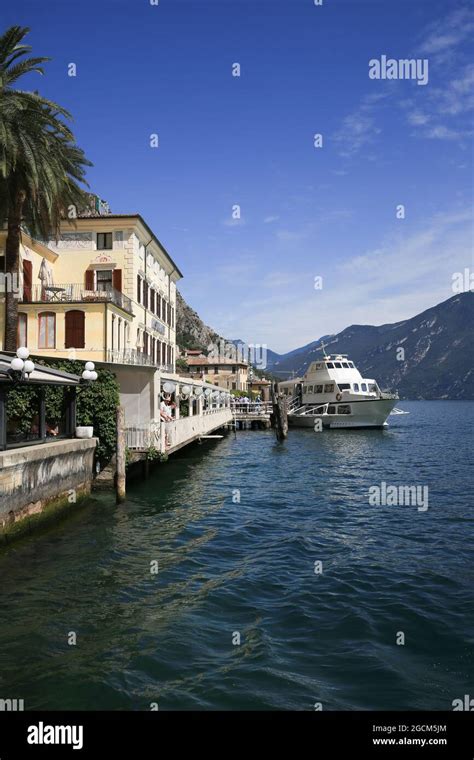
230 568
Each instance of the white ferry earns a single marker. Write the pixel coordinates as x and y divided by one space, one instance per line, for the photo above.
334 391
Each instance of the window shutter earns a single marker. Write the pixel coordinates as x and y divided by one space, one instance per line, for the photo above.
27 279
117 279
75 337
89 279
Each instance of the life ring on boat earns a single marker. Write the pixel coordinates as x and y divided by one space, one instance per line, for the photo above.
338 396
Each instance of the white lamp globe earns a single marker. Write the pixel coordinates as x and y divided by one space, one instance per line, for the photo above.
23 352
198 391
29 367
86 375
90 366
216 395
17 364
208 392
94 375
186 390
168 387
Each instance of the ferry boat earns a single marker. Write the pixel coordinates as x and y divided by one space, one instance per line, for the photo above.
333 391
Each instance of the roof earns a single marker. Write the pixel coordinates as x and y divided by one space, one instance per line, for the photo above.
41 374
104 217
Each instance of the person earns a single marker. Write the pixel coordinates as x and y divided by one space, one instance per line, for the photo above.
166 415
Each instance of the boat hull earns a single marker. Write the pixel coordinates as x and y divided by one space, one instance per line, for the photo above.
365 414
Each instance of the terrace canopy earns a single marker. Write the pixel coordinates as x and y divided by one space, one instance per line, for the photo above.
38 409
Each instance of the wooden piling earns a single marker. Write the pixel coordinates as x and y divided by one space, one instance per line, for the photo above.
120 479
280 413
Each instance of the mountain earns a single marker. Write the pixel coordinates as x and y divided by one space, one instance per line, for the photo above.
191 332
437 343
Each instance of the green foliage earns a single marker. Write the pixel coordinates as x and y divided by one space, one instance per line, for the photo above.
152 453
96 405
181 365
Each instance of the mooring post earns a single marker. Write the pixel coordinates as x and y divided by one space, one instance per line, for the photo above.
120 456
280 415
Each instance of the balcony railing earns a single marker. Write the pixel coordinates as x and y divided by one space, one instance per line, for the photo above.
74 293
132 356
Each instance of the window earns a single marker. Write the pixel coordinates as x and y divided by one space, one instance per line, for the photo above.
145 294
329 365
331 410
356 387
305 389
234 386
234 370
364 386
47 330
338 365
216 370
343 409
372 388
104 241
351 364
344 386
329 388
310 388
22 335
139 289
119 325
152 300
345 365
104 279
75 333
319 389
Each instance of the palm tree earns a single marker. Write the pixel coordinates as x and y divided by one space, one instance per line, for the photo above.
41 167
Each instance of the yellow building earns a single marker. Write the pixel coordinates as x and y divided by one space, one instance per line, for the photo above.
226 373
105 291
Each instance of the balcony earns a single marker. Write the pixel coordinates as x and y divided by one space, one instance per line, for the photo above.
76 293
134 357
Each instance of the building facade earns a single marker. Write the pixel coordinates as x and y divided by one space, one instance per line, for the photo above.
104 291
226 373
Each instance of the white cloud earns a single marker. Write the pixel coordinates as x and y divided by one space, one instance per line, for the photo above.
270 219
404 275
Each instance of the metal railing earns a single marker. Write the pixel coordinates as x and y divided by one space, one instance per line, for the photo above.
142 437
137 358
74 293
257 408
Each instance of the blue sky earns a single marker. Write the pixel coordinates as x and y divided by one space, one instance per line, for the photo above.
306 212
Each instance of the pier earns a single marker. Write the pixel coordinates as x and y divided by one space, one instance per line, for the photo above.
252 415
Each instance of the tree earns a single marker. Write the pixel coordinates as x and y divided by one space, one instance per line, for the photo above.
41 167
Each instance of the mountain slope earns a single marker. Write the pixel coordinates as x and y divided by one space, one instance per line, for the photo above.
191 332
437 344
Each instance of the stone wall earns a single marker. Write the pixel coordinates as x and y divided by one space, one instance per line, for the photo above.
38 482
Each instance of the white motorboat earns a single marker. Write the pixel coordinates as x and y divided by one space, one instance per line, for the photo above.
334 392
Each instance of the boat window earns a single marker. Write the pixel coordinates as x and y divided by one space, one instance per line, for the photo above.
345 365
329 388
331 410
363 386
305 389
372 388
356 387
310 388
343 409
329 365
319 389
319 410
351 364
338 365
344 386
